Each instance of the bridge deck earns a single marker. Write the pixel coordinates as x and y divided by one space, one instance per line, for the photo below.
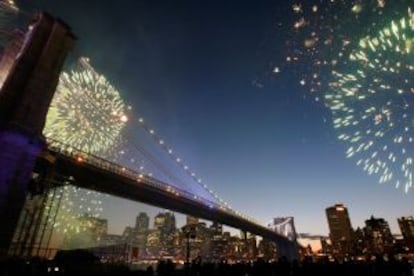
103 176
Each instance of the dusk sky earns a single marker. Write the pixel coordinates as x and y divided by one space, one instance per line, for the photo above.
212 78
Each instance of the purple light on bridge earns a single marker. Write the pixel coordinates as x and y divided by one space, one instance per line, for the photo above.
17 159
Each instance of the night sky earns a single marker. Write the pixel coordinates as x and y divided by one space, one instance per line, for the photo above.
202 74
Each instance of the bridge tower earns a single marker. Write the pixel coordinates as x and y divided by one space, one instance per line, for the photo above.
285 226
30 69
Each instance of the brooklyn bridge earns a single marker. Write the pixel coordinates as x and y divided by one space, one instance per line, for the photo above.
35 160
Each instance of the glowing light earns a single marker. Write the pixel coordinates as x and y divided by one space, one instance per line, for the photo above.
86 112
297 8
124 118
357 8
381 3
9 5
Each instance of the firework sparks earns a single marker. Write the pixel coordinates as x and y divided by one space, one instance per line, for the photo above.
365 82
371 100
74 203
322 32
87 112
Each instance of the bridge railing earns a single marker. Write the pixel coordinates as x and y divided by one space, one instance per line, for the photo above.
81 156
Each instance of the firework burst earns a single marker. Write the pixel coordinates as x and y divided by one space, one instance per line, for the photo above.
86 112
322 33
371 101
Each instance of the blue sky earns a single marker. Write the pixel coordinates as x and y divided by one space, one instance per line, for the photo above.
201 72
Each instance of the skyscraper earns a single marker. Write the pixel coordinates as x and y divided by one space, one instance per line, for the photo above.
165 228
216 229
142 223
142 230
378 235
165 222
407 230
340 229
407 227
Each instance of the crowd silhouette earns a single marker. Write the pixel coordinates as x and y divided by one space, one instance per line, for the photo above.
80 263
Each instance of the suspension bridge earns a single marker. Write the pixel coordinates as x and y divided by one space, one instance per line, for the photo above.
30 69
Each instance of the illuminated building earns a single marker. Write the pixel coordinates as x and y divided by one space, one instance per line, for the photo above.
141 230
165 222
192 220
91 232
236 249
407 230
218 241
165 229
153 243
378 235
326 247
199 238
251 245
216 229
360 242
340 229
267 250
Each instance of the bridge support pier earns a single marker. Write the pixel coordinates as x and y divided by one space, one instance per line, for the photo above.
32 70
17 158
287 249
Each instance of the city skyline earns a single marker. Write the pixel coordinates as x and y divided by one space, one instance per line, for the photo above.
182 219
256 136
337 215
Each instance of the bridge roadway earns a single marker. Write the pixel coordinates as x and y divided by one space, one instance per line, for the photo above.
97 174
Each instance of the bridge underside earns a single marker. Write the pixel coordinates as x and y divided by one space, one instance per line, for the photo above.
101 180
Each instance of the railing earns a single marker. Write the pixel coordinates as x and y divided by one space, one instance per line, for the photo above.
81 156
99 162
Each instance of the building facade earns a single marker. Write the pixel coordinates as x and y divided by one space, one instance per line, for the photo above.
378 235
406 225
340 229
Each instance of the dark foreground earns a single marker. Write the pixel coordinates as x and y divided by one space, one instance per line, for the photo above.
87 267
